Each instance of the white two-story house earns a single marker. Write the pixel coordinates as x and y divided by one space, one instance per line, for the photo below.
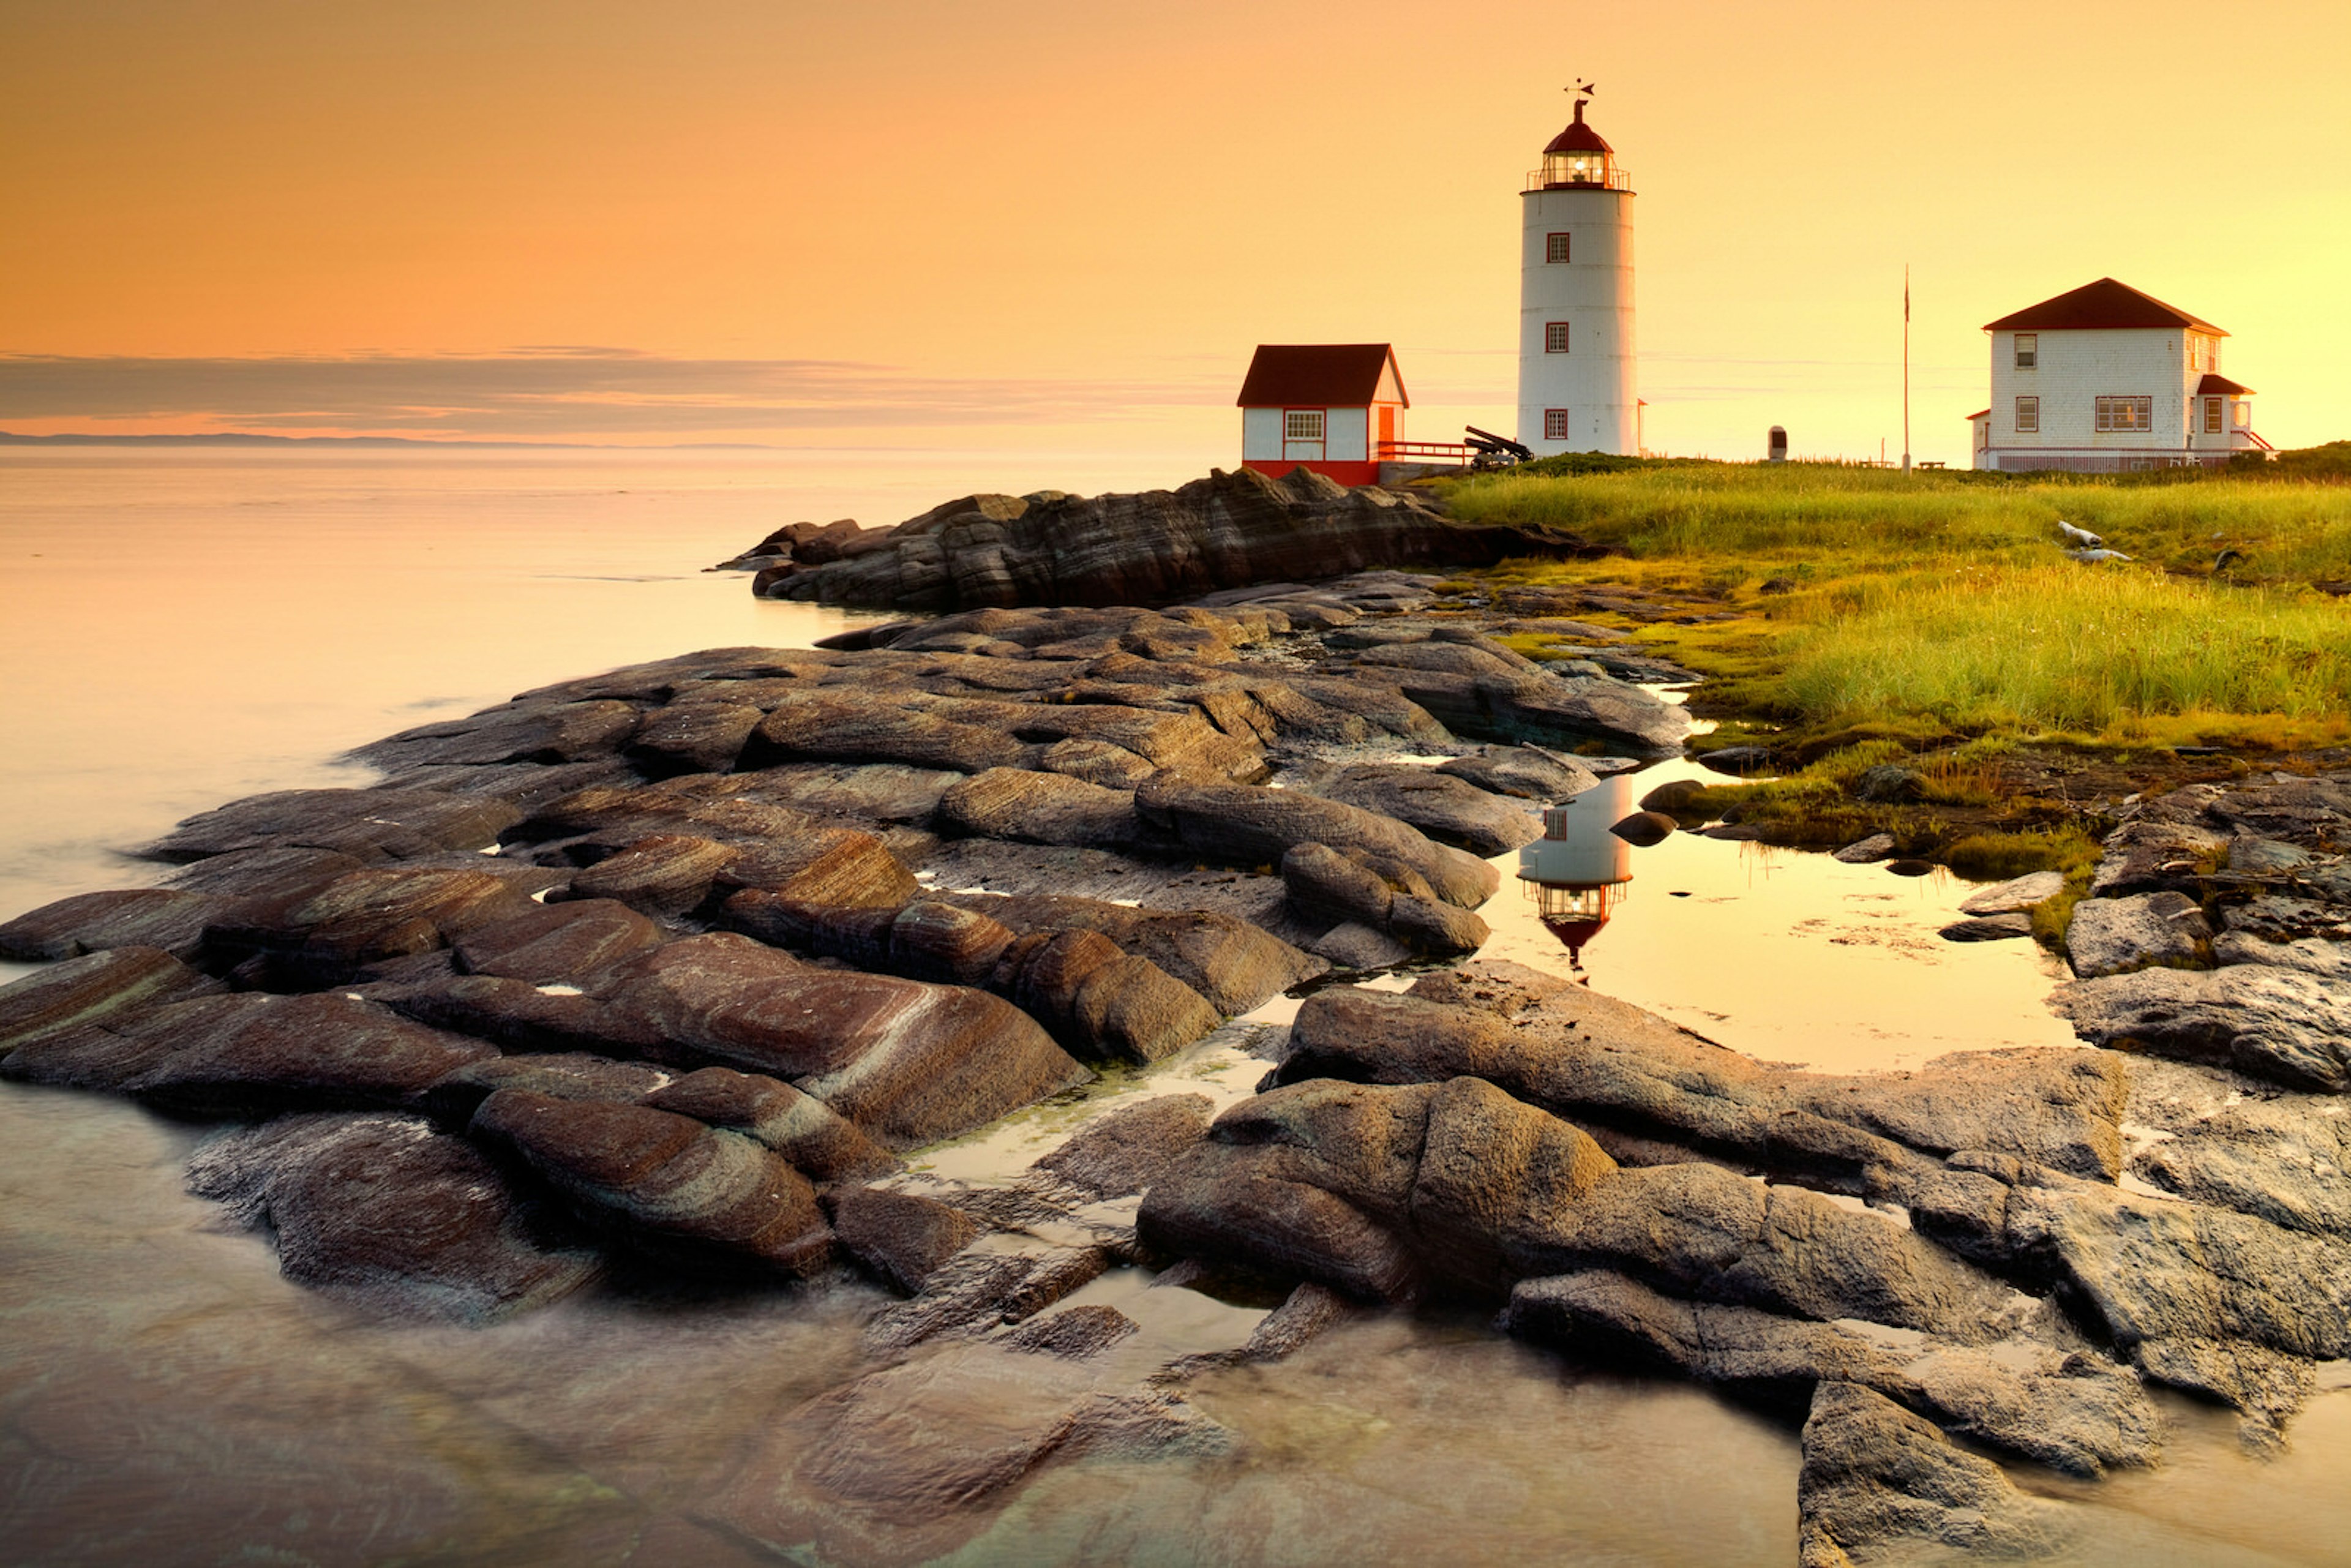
2104 379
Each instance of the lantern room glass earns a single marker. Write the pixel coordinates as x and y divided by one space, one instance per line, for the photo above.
1575 169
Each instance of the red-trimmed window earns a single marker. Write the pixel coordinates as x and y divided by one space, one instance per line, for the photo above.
2028 415
1554 424
2212 425
2133 413
1554 337
1301 425
2028 349
1555 247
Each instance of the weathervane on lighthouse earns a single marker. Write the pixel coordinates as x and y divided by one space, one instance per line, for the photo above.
1575 297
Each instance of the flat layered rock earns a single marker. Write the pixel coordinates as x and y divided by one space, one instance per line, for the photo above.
564 1075
1235 964
317 1051
2074 1412
1121 1152
2116 936
2288 1025
525 730
1255 827
1606 1063
1040 809
372 825
666 1178
901 1237
385 1212
2015 896
557 942
1447 809
825 727
907 1062
94 990
1527 772
1879 1484
165 918
814 1137
369 916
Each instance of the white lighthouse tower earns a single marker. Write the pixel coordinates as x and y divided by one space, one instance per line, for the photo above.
1575 300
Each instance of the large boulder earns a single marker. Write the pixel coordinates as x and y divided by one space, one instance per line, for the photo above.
1225 531
658 1178
385 1212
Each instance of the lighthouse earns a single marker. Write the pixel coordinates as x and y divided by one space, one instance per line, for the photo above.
1575 300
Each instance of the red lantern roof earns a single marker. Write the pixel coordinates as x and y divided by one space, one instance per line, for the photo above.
1578 137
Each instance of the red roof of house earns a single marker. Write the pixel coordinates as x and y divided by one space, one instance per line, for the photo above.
1980 414
1327 375
2221 386
2105 304
1578 137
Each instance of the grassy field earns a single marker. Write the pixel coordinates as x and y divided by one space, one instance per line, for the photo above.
1941 604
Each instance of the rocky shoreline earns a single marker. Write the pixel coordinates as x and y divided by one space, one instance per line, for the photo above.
671 968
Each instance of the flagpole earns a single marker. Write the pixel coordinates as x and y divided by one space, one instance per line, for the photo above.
1905 367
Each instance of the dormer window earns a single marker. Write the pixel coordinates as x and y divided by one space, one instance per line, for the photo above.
2028 349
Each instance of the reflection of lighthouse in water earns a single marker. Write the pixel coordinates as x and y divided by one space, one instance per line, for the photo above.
1578 868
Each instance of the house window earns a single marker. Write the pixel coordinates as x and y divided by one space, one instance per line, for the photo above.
1301 425
1554 337
1555 248
2212 416
2126 414
2028 349
1554 424
2028 415
2244 415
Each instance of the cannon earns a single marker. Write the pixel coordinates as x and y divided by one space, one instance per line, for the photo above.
1489 450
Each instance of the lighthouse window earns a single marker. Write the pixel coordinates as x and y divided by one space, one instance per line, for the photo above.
1554 337
1555 247
2126 414
1301 425
2028 349
1554 424
2028 414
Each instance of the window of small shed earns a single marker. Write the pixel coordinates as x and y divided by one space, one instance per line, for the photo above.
1301 425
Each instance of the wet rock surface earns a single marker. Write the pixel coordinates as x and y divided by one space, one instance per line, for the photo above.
664 969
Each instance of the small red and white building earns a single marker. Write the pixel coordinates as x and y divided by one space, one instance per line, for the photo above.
1335 409
2104 379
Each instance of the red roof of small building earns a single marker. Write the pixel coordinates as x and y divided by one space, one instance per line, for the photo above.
2103 305
1980 414
1578 137
2218 385
1324 375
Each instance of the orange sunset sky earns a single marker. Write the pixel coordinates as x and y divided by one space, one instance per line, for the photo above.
1050 225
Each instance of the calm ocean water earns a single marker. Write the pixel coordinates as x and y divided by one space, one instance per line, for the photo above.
178 628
